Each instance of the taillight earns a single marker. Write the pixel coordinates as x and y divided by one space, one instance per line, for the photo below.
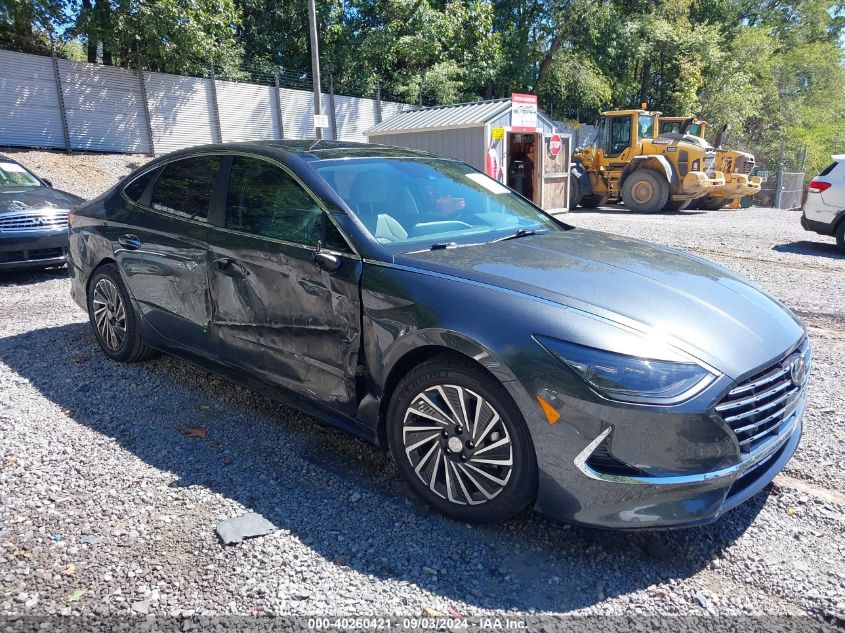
817 186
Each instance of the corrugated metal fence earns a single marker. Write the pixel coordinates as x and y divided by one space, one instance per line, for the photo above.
56 103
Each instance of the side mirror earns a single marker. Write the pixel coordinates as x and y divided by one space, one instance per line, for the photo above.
329 263
47 183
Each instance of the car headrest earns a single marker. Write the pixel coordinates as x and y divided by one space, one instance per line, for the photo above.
369 187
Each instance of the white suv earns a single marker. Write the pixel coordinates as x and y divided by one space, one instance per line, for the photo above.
824 209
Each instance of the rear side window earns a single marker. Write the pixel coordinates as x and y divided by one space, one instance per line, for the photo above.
829 169
135 189
185 187
265 200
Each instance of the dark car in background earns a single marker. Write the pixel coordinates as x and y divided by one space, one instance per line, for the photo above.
33 218
504 357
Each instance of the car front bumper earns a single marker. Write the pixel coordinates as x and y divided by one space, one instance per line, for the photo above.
33 249
681 468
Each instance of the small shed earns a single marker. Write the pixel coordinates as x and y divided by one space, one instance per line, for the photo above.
508 139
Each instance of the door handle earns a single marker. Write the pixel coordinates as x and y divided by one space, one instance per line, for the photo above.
129 241
231 267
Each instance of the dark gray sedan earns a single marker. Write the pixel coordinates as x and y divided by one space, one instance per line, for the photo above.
505 358
33 218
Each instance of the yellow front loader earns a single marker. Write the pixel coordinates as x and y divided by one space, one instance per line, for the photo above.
734 164
628 162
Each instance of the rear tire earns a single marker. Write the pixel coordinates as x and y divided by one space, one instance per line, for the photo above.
574 191
447 418
113 318
645 191
708 203
593 201
840 237
677 205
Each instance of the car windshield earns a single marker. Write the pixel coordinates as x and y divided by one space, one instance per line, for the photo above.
413 203
14 175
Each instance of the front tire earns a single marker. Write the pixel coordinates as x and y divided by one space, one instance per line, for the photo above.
460 442
645 191
113 317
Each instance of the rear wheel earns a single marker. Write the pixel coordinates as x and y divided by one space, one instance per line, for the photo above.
840 236
113 317
460 442
709 203
676 205
645 191
574 190
593 201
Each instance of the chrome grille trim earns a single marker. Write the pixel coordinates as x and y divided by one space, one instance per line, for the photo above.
760 407
37 221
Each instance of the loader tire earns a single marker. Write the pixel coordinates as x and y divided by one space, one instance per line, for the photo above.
574 192
645 191
677 205
708 203
593 201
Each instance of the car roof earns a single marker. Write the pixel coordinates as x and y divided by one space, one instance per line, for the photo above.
308 150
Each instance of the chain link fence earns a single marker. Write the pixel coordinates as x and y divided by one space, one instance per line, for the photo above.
784 192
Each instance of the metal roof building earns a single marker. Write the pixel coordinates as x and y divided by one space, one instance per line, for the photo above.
488 136
457 130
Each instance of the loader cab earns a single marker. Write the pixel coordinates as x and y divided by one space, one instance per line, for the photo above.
624 129
675 125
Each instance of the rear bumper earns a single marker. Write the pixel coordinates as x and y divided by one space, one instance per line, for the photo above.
822 228
33 249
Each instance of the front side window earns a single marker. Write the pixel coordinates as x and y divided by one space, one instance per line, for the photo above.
412 203
186 186
265 200
15 175
620 135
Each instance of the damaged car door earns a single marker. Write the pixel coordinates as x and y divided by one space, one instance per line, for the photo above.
284 286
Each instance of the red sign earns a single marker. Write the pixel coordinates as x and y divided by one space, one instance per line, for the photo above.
554 144
523 112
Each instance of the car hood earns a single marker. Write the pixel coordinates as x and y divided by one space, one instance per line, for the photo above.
702 308
23 199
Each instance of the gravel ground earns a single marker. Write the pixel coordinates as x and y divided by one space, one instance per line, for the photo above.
113 477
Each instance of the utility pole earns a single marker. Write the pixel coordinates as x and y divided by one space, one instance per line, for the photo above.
315 64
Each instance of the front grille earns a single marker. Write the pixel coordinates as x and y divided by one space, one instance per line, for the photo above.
744 165
759 407
33 221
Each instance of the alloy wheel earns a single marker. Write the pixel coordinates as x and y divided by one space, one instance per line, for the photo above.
457 444
109 314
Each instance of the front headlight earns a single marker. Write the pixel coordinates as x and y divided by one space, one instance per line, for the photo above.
629 378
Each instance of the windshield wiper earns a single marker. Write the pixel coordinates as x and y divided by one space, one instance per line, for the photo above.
513 236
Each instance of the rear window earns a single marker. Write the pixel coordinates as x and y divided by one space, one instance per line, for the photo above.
829 169
185 187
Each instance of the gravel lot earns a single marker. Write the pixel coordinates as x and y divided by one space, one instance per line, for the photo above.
113 477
